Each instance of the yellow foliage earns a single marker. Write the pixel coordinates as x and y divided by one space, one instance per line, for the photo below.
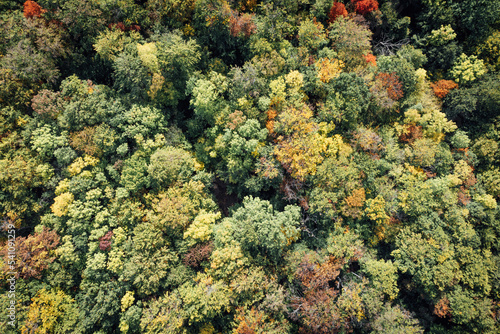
147 54
487 201
201 228
61 203
156 85
207 329
350 302
434 123
328 70
127 300
80 163
47 310
302 146
375 211
278 88
462 170
62 187
295 80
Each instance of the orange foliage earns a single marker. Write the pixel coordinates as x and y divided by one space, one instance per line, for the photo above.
32 9
392 84
337 10
371 59
251 323
365 6
316 307
239 23
357 198
412 133
442 308
354 203
271 115
441 88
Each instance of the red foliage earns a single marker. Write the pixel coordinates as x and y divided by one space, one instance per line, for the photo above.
365 6
198 254
105 241
118 25
32 9
392 84
371 59
337 10
441 88
134 27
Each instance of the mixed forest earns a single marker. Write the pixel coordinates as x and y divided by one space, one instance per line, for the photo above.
250 166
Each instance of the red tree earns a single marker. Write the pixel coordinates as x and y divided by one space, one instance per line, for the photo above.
337 10
32 9
105 241
365 6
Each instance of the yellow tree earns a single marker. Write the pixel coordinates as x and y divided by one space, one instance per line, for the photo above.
302 143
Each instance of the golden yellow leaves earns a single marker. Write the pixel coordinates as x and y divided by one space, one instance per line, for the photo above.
328 69
80 163
61 203
302 143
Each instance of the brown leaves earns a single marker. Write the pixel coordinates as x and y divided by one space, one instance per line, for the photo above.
32 255
48 103
84 141
198 254
355 203
316 307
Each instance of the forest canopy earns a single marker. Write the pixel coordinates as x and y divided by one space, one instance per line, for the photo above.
250 166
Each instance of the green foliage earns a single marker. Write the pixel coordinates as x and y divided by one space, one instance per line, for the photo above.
132 133
351 41
169 165
396 320
260 230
